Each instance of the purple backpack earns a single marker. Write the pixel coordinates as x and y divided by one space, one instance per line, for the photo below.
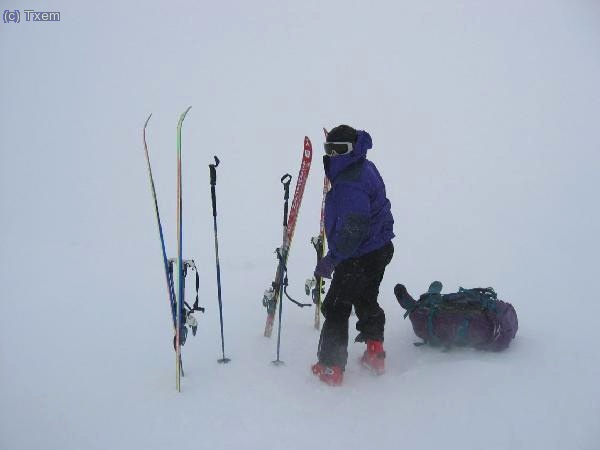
469 317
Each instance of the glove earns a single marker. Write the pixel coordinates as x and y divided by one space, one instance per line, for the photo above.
325 267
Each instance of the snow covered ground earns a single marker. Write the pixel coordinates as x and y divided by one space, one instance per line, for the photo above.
484 121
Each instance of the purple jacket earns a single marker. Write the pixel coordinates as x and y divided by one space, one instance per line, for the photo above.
358 218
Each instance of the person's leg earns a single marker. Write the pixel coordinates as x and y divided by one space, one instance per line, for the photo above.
371 317
355 282
333 343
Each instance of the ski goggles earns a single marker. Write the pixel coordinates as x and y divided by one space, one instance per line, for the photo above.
338 148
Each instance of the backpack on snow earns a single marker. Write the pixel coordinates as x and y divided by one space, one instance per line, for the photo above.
469 317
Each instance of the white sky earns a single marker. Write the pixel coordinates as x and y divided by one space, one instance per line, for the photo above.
484 117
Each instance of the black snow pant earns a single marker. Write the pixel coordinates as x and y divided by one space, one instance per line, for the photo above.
355 283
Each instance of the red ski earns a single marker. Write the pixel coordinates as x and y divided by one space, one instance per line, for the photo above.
272 294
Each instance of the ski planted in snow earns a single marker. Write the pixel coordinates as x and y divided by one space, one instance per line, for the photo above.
273 293
179 287
315 286
167 264
181 313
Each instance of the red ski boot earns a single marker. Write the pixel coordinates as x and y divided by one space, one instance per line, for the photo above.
333 376
374 357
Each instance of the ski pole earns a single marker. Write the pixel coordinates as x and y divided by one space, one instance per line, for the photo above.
213 183
281 253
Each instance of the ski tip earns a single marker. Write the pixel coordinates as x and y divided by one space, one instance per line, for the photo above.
325 132
307 147
184 114
147 120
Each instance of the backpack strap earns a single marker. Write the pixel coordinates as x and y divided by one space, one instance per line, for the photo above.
488 298
463 331
411 309
432 338
485 296
426 300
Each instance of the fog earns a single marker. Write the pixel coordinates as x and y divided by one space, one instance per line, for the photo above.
484 122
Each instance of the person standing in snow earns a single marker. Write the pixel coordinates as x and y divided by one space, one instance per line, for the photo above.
359 230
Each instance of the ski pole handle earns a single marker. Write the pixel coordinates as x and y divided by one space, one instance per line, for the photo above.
286 180
213 172
213 182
